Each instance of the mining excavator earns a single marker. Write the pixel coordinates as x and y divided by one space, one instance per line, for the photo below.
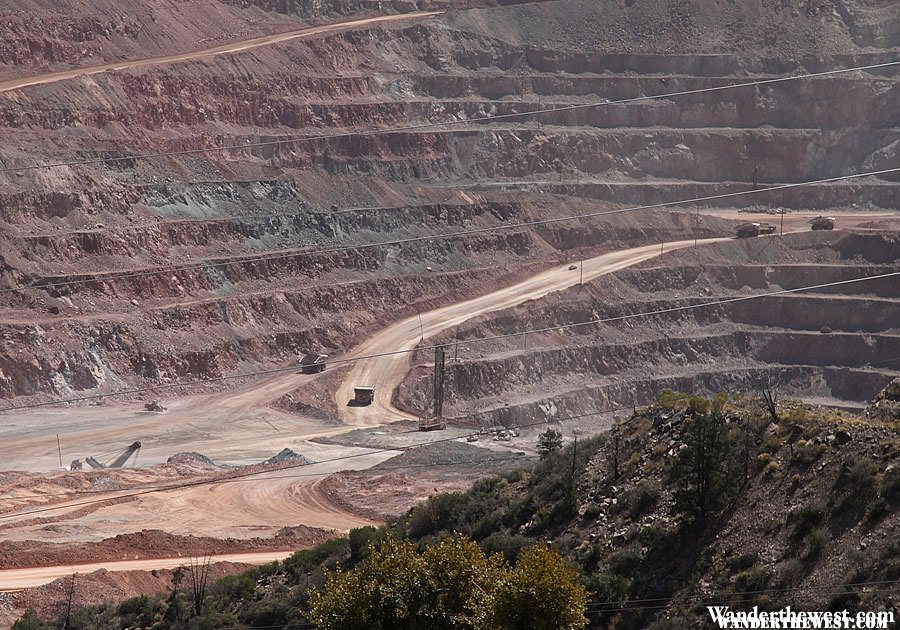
118 462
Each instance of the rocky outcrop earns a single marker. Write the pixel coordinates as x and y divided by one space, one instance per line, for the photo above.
886 406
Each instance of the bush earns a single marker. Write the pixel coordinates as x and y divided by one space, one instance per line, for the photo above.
438 512
591 512
643 499
331 552
744 561
815 543
608 591
657 537
235 587
807 453
31 621
890 485
790 572
806 517
877 509
843 601
509 546
359 540
861 474
625 561
751 581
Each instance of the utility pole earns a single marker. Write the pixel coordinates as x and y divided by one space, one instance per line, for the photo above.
574 455
782 221
582 272
456 350
421 329
696 225
439 381
69 597
662 245
615 453
59 450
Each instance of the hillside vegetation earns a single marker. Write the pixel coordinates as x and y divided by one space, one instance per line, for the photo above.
690 502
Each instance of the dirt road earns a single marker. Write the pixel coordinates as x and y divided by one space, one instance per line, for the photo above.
387 371
226 49
18 579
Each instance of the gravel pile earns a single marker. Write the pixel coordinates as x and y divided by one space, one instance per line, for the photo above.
287 455
190 457
445 453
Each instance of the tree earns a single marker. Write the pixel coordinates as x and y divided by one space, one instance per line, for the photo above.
386 590
31 621
704 472
452 584
463 579
549 442
542 592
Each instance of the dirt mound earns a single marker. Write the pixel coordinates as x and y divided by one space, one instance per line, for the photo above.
149 543
886 406
100 586
190 457
288 455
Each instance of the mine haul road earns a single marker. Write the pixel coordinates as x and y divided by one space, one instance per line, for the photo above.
386 369
225 49
275 499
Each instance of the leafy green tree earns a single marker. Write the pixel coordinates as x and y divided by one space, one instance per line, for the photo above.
386 590
453 584
549 442
542 592
463 580
705 472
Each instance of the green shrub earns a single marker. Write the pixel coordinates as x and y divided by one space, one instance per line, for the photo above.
506 544
744 561
877 508
861 474
751 581
439 511
806 517
843 601
358 540
815 543
31 621
608 590
890 485
643 499
625 560
591 512
807 453
329 553
789 572
235 587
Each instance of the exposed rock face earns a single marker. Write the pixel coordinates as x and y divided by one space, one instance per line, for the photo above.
886 406
72 230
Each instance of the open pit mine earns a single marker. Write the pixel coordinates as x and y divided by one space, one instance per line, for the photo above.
272 271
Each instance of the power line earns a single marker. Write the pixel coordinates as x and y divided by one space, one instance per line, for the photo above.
246 476
417 239
239 477
594 606
478 119
140 390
